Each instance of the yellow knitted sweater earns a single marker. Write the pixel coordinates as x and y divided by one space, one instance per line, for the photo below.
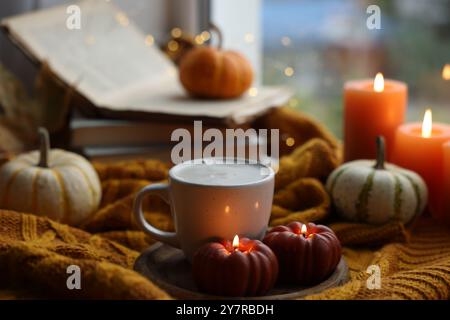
35 251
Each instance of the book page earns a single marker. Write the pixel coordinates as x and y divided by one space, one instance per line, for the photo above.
105 56
169 97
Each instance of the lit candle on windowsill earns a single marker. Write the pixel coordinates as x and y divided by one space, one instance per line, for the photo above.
372 107
419 147
446 192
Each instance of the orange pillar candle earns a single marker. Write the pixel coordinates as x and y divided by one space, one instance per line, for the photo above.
372 108
419 147
446 193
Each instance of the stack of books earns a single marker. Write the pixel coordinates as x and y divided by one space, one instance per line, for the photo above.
130 86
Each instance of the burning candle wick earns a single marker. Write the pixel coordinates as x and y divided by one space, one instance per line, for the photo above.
236 243
304 230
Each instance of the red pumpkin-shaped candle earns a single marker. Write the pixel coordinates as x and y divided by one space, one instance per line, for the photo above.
307 254
240 268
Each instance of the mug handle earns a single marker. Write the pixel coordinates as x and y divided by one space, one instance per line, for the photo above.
161 190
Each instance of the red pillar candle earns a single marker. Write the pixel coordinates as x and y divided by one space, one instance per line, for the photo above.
243 267
372 108
446 196
419 147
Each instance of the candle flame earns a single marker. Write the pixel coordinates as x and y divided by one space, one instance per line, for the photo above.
427 124
446 72
378 83
304 230
236 242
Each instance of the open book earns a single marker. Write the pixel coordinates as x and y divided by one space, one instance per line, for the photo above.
109 62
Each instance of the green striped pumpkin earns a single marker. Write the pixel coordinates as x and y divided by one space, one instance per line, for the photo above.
376 192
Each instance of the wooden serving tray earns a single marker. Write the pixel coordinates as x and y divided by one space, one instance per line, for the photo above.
169 269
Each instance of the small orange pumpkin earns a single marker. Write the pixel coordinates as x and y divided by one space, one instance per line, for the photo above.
207 72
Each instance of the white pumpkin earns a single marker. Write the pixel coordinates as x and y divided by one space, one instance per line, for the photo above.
54 183
375 192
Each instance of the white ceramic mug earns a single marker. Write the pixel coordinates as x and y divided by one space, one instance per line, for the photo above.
209 206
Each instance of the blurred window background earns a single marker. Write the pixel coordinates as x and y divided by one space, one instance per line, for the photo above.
315 46
311 46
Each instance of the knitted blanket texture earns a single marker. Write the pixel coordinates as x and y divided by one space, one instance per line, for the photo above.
35 251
